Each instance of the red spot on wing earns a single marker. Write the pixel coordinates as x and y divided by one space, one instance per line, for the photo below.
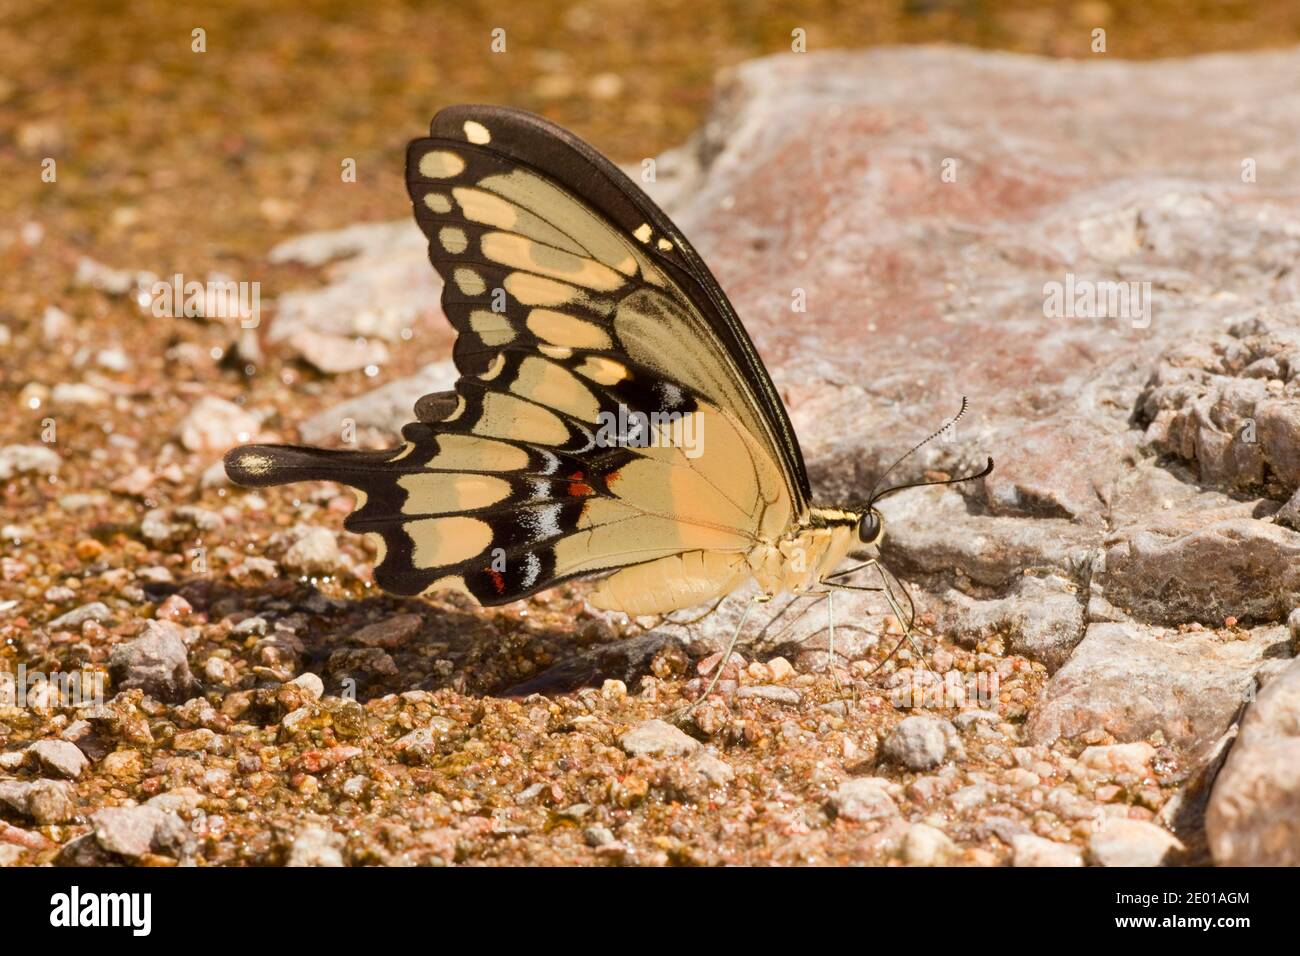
579 488
498 581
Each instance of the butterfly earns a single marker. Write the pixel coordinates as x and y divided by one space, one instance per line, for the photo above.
611 416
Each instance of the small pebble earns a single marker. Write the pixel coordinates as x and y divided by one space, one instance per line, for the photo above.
863 798
922 743
657 738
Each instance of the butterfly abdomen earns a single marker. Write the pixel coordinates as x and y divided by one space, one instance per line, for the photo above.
670 583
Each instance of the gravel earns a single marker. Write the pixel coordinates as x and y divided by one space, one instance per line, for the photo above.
925 845
128 831
316 846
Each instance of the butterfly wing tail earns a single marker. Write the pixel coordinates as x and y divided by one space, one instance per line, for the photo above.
258 466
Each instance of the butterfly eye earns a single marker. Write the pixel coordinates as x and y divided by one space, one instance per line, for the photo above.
870 526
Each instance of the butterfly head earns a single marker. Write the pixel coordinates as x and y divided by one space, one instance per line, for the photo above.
871 526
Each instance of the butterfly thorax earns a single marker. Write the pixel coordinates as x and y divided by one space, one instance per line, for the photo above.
809 551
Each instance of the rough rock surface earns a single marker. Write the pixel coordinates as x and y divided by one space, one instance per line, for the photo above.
1254 813
1132 681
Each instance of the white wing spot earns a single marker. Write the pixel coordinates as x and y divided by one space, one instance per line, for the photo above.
532 569
544 522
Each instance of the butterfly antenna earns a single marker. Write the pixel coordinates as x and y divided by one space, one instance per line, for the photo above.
982 473
917 447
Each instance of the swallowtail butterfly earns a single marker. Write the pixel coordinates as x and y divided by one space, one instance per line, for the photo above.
611 416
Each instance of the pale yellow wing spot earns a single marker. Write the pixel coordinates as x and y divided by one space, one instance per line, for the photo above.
555 351
518 252
379 544
483 207
530 289
255 464
489 209
452 582
477 133
642 232
458 410
493 328
453 239
467 453
437 202
494 369
561 328
601 370
506 416
468 281
555 387
441 541
450 493
441 164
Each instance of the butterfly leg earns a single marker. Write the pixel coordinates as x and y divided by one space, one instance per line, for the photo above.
830 640
906 621
869 563
696 620
722 662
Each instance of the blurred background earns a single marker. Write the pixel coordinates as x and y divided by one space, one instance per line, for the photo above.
181 160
